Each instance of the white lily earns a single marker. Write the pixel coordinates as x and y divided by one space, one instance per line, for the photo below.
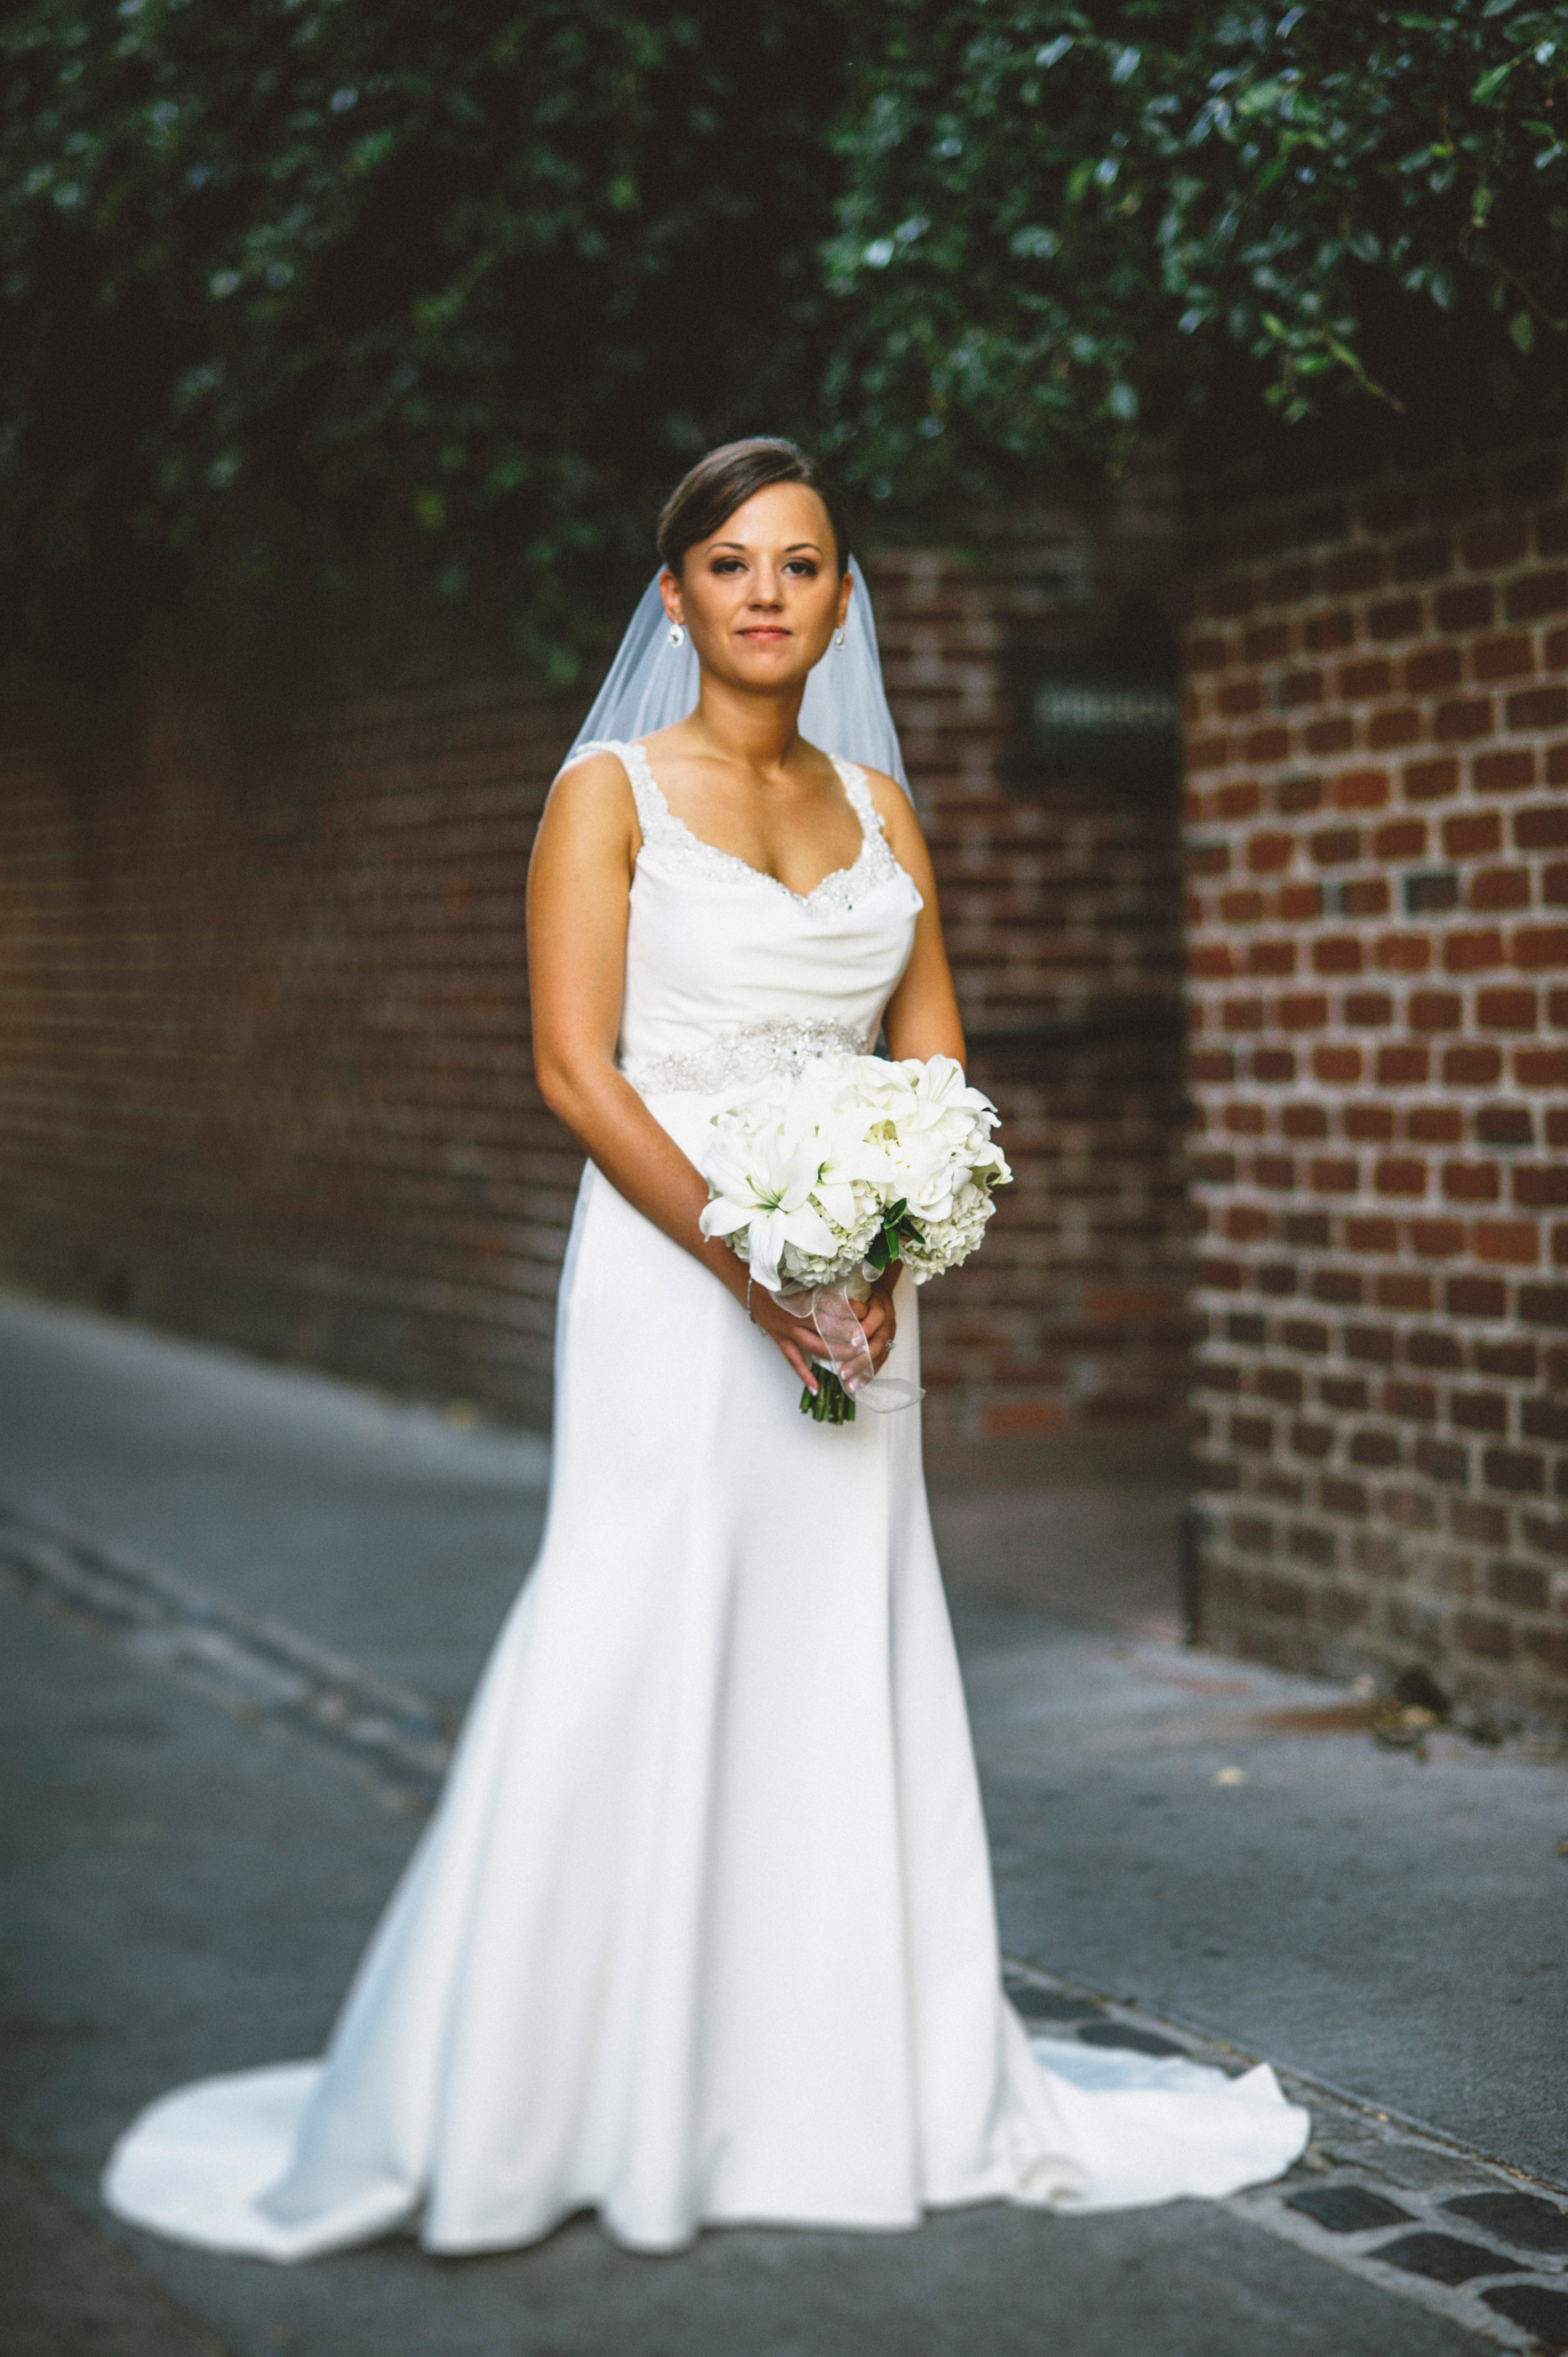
764 1184
944 1105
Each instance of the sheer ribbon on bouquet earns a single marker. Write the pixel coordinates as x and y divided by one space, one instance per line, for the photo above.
845 1350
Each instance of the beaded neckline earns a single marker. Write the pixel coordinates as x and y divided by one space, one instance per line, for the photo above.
875 865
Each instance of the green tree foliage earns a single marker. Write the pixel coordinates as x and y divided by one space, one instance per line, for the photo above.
1067 223
293 286
286 282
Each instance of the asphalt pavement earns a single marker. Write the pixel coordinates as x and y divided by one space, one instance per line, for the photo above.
189 1872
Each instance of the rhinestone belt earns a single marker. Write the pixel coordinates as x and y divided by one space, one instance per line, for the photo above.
752 1054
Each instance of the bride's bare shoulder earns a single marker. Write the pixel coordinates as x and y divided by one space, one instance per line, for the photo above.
590 808
595 769
597 783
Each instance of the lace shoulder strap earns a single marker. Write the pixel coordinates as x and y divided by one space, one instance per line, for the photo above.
854 781
654 815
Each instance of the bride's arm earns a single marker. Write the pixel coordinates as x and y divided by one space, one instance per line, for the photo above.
922 1018
579 889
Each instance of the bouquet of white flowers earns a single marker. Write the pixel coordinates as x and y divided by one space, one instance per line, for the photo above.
820 1182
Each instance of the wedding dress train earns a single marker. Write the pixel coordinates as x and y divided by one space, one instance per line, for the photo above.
702 1927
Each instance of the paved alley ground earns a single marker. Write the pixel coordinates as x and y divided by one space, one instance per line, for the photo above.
242 1608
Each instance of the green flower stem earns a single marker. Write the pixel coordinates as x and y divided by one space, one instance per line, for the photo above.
830 1402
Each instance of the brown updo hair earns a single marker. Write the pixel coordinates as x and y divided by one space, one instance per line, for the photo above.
706 498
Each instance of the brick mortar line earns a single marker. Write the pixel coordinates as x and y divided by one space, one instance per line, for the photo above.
1498 736
1295 1201
1354 654
1332 1259
1367 1261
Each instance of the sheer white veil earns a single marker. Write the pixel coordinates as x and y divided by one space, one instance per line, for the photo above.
652 684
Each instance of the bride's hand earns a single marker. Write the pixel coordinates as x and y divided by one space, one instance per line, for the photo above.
879 1319
791 1334
765 1309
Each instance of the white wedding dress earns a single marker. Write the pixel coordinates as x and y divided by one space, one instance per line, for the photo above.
702 1927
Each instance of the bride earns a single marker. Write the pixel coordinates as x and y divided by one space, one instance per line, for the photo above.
702 1927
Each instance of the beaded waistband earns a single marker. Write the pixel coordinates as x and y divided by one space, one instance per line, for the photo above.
754 1053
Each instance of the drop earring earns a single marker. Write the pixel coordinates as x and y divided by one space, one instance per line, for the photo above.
838 640
677 634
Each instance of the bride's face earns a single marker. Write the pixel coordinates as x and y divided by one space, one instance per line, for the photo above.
764 596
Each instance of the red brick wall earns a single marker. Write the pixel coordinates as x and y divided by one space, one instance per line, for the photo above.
264 1070
1062 910
264 1024
1378 852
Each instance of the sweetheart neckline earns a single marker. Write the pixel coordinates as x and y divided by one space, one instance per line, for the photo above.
733 859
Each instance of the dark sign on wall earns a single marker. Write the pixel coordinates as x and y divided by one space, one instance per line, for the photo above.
1109 715
1103 726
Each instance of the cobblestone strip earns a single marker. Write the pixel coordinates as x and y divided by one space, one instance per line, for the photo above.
1396 2203
257 1668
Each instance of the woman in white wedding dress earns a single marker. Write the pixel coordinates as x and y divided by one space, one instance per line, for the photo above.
702 1927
